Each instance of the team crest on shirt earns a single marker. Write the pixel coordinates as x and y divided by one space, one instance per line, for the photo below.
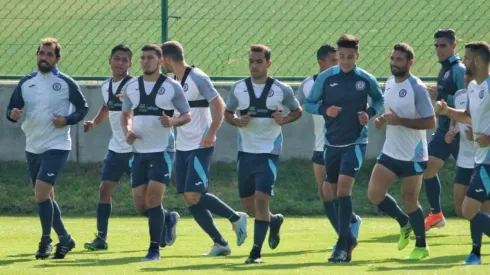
57 86
360 85
402 93
185 87
161 91
271 93
482 93
446 75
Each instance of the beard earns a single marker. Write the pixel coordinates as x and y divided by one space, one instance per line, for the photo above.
44 67
398 71
150 72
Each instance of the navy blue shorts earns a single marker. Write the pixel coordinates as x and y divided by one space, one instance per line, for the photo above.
115 166
256 172
46 166
463 175
151 166
400 168
438 147
317 158
192 170
479 188
343 161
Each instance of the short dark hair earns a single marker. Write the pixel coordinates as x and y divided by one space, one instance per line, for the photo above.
121 48
259 48
481 48
153 47
348 41
450 34
173 49
325 50
405 48
48 41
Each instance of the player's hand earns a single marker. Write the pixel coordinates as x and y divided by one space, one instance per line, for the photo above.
88 125
120 96
392 118
379 122
278 117
363 117
449 137
432 92
482 139
166 121
441 108
131 137
59 121
244 120
15 114
333 111
208 140
469 133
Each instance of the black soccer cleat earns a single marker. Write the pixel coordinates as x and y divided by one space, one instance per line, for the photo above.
62 248
338 256
275 227
97 244
44 250
254 258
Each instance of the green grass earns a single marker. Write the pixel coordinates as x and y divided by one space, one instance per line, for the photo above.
302 250
296 192
216 33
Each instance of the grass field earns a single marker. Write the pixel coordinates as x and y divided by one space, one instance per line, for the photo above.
302 250
217 33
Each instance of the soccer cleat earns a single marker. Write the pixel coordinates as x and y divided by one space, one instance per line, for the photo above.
274 237
152 255
434 220
472 259
97 244
219 250
354 227
62 248
352 246
418 253
240 228
171 228
338 256
45 249
254 258
404 236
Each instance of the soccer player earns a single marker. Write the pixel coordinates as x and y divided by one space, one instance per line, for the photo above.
408 114
116 161
450 79
260 101
477 113
326 57
45 97
466 155
147 119
194 150
344 90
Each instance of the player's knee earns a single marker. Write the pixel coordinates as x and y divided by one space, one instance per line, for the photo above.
328 191
248 204
468 212
410 201
375 196
105 192
191 198
459 210
42 191
433 166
